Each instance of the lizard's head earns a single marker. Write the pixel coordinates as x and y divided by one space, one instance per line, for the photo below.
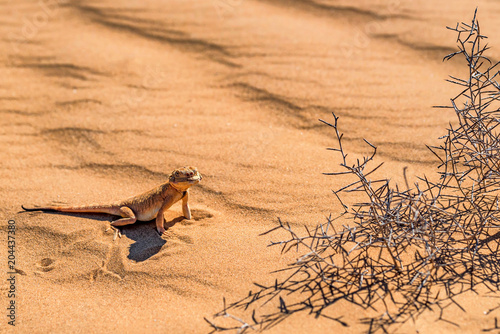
184 177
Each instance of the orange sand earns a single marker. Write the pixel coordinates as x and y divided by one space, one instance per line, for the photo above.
100 100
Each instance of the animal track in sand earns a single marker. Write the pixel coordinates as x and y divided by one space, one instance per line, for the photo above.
46 264
171 236
200 214
197 215
112 266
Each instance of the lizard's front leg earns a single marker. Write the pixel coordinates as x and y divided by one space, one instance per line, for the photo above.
160 219
185 206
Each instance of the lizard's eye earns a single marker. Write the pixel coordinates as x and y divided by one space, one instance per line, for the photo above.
177 173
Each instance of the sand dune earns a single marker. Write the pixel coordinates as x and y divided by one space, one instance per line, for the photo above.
102 99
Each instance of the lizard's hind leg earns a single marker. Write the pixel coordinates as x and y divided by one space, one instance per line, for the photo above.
128 218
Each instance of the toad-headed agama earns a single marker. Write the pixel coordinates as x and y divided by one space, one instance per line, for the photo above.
145 206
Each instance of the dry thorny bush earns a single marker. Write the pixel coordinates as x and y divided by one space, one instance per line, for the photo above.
404 251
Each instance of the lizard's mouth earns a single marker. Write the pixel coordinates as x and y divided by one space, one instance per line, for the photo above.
191 179
195 178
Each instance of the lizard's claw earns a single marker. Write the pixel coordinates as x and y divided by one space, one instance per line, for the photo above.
117 232
160 230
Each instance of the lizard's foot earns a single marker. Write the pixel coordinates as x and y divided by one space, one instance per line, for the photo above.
117 233
160 230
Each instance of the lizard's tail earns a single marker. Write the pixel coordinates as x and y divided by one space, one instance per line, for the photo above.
94 208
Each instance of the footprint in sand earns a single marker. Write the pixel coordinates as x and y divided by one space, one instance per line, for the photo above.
200 214
197 215
171 236
46 264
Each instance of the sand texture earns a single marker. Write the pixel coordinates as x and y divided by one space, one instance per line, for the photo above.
101 100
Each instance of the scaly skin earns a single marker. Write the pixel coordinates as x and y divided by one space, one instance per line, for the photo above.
146 206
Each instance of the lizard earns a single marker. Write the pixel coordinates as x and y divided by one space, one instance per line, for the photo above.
144 207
